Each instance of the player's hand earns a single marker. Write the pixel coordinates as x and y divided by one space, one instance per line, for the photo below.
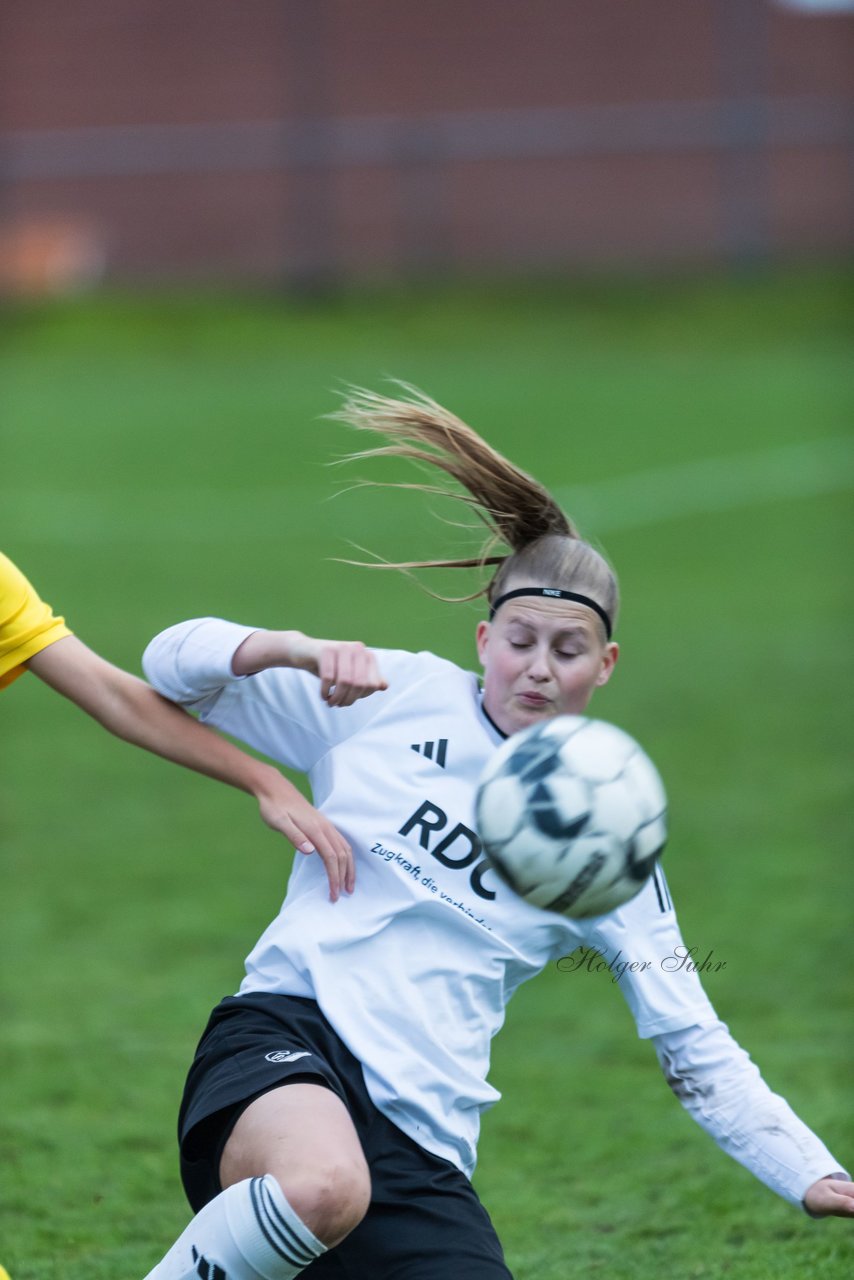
346 669
285 809
830 1197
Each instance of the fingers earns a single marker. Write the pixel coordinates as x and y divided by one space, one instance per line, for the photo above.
830 1197
348 671
334 852
310 832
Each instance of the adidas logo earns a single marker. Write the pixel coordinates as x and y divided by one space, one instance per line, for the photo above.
207 1270
436 751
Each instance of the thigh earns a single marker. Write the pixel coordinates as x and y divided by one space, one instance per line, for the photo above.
253 1045
290 1132
302 1134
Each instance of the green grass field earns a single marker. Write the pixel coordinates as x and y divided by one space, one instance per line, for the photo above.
164 458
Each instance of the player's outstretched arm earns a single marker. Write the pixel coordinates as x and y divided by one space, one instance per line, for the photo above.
830 1198
719 1085
130 709
346 670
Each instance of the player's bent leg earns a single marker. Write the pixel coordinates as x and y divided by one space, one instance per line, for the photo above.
295 1182
303 1136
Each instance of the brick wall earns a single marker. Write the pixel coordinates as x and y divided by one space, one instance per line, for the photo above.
267 139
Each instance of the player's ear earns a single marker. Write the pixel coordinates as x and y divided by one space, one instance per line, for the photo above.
609 661
481 638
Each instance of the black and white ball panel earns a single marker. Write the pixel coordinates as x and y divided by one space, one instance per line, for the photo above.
572 815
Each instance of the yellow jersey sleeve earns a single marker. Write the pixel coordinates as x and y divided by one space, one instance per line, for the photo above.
27 624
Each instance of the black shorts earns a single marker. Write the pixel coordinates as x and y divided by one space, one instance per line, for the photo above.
424 1222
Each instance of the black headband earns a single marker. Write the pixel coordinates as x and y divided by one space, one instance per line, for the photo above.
554 593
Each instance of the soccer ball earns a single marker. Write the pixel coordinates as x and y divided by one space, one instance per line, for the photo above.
572 815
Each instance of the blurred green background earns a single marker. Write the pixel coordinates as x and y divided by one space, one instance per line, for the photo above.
165 457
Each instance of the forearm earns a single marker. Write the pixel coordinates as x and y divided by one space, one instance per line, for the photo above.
193 662
140 716
722 1089
127 707
264 649
131 709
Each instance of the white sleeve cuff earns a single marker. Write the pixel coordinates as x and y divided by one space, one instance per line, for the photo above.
192 660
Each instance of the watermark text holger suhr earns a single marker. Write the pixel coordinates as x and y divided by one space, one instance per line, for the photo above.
589 960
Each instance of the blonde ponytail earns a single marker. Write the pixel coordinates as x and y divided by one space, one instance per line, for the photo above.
516 509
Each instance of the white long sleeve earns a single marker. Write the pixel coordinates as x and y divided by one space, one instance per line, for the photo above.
192 660
716 1081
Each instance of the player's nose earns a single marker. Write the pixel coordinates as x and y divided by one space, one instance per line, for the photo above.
538 666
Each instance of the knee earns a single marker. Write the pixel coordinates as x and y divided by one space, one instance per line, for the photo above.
331 1199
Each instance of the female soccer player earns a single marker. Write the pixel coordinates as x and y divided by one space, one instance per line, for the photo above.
330 1116
33 638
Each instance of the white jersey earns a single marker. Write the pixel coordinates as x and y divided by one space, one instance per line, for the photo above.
415 968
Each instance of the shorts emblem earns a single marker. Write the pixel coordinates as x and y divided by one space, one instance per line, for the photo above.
287 1055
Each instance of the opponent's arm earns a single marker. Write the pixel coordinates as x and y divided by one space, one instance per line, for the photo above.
129 708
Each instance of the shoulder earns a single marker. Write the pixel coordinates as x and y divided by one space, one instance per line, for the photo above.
27 624
422 688
18 596
14 587
399 664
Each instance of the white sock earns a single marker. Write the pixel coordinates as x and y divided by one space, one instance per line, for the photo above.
248 1232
